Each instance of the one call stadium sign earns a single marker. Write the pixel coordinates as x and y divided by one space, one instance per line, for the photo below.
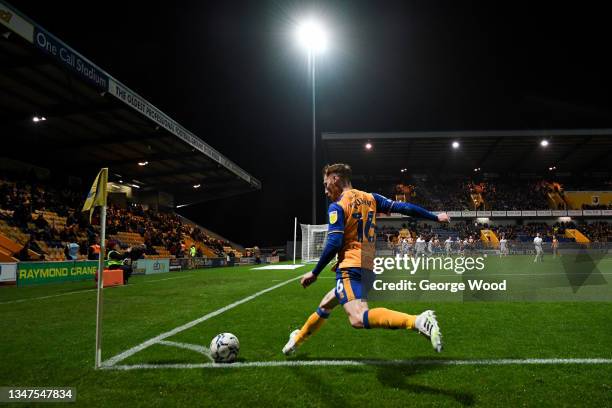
30 273
59 51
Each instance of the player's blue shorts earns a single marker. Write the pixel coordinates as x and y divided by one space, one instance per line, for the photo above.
348 284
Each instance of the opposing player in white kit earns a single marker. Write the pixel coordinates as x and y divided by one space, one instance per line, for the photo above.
503 246
448 246
419 246
405 247
537 243
430 248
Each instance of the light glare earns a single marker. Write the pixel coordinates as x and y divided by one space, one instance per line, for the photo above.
312 36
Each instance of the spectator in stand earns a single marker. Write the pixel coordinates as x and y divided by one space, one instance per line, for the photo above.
83 249
72 251
93 252
41 223
71 219
23 254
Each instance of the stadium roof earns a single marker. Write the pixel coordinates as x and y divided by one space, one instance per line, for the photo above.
517 151
92 120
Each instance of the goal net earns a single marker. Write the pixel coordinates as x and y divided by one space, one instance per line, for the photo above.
313 241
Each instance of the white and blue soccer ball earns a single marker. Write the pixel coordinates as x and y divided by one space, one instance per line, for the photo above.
224 348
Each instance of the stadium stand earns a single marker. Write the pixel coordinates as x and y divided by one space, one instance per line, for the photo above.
440 193
503 193
30 217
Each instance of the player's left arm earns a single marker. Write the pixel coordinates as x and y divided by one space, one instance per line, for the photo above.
335 235
387 205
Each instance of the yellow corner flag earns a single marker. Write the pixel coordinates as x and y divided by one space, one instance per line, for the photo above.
97 194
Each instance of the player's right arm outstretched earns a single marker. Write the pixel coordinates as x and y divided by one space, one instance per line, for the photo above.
386 205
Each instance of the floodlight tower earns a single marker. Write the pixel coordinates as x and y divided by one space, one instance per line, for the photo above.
312 37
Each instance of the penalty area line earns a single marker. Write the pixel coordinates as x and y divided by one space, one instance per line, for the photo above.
363 363
122 356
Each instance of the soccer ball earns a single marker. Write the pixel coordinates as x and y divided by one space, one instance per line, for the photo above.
224 348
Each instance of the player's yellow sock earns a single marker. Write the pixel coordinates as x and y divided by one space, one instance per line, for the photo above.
387 319
312 325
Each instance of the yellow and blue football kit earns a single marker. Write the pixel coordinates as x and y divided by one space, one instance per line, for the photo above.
353 216
351 235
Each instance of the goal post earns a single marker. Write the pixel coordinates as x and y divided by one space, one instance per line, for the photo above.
314 238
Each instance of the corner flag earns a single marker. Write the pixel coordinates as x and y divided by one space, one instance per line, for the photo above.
97 194
97 198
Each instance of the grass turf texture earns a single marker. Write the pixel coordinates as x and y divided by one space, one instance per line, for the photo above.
50 342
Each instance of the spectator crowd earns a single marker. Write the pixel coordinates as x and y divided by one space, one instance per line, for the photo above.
49 216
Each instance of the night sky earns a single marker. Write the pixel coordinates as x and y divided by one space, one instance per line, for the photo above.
232 73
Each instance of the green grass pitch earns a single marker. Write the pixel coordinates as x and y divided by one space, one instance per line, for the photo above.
47 339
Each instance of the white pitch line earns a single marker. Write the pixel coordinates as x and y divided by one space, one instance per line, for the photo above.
122 356
176 277
193 347
363 363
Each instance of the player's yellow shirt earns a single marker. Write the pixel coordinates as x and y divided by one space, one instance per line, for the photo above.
354 214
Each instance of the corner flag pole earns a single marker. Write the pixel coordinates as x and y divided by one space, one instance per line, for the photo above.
100 286
97 198
294 237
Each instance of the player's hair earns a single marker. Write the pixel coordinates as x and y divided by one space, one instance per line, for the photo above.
342 170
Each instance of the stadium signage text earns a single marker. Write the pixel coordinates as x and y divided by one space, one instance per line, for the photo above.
48 272
141 105
151 266
55 48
